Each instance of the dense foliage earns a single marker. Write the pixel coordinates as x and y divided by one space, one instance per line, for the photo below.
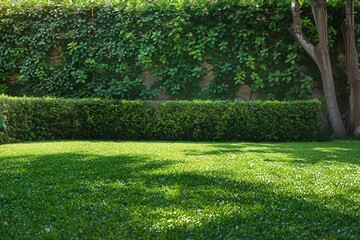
104 50
46 119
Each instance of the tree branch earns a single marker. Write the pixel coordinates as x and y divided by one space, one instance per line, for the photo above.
296 30
320 16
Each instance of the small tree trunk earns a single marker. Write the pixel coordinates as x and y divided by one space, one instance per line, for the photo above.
352 68
323 57
320 54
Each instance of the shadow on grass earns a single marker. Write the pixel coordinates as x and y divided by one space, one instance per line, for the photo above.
134 196
304 153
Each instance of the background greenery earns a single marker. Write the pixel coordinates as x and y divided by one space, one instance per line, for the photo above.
84 49
132 190
46 119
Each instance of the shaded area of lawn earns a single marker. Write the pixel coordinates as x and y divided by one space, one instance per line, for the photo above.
102 195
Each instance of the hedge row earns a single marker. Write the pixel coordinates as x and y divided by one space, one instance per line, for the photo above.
31 119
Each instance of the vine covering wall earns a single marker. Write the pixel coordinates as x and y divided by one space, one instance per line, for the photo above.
110 51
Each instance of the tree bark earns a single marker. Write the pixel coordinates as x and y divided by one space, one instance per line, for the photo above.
320 54
352 68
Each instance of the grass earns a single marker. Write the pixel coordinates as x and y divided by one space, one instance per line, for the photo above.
160 190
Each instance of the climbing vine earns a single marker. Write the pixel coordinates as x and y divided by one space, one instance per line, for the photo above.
120 51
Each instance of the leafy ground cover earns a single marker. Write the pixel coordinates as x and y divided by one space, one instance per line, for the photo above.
161 190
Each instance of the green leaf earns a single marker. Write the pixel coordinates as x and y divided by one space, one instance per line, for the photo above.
3 125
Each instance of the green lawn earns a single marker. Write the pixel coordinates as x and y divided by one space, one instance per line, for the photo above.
162 190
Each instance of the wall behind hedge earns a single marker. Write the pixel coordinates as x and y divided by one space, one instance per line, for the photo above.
31 119
192 51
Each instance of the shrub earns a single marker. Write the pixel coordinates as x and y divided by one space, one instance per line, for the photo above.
32 119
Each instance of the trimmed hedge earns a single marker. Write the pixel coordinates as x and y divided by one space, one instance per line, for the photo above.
32 119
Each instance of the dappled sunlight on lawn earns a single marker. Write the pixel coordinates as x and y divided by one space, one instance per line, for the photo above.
290 152
181 190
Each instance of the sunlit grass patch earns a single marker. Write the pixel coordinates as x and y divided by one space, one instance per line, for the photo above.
131 190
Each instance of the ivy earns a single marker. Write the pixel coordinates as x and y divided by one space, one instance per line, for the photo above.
104 50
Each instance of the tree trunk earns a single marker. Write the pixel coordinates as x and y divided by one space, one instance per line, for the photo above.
320 54
323 57
352 68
